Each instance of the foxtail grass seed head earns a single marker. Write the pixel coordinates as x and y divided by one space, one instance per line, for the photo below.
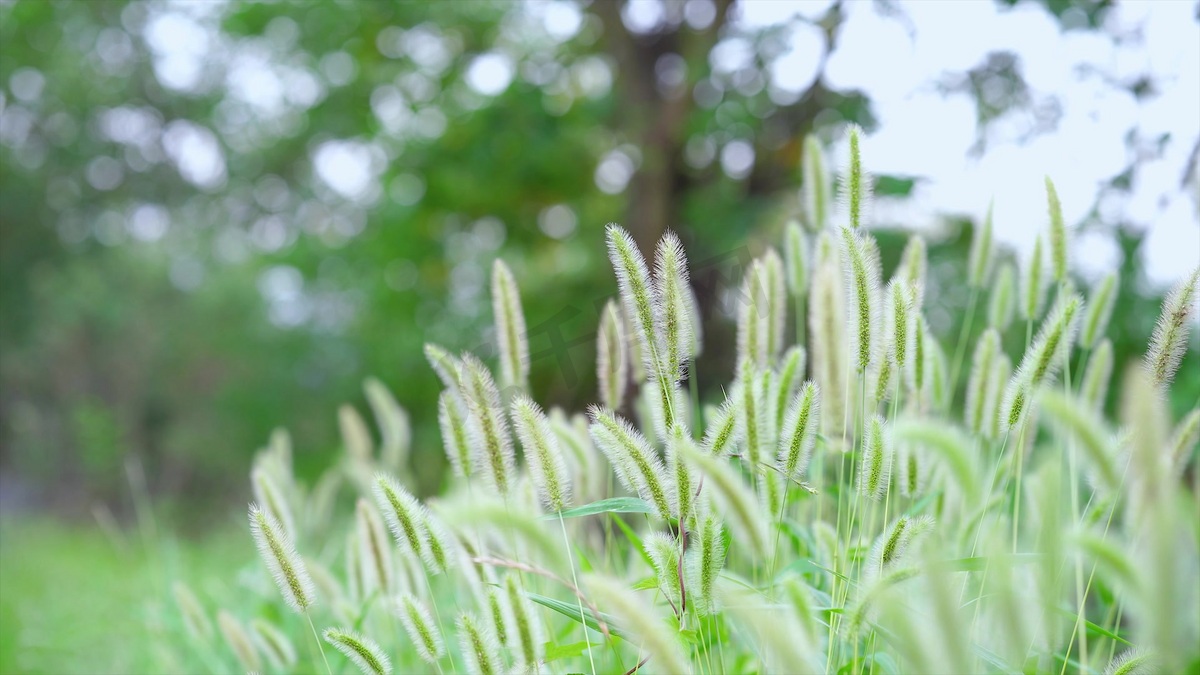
863 291
405 515
856 186
1033 282
365 653
634 461
1043 358
1003 298
901 298
637 295
1054 340
663 551
875 470
1073 418
979 261
547 467
280 446
355 583
1133 662
512 340
704 559
479 647
1094 388
356 439
274 643
799 595
452 420
936 377
673 323
721 436
440 552
894 543
787 380
947 445
795 254
327 586
1058 233
279 555
489 426
734 501
752 425
319 505
799 432
827 341
678 446
526 626
239 641
195 618
979 384
374 551
1002 370
753 316
912 473
633 345
270 495
497 607
425 635
914 268
641 620
1170 338
448 367
815 191
1099 310
665 407
1183 441
771 491
917 368
776 285
395 430
879 381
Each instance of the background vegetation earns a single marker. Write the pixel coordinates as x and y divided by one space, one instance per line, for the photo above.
219 218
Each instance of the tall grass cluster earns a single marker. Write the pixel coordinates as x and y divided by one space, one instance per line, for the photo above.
847 507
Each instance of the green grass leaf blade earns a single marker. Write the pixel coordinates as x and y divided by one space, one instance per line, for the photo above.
571 611
611 505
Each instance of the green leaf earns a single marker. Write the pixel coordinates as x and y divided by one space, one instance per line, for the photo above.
1094 628
612 505
647 584
556 651
806 565
634 539
572 612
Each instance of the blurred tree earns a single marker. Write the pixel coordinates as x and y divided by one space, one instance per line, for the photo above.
220 217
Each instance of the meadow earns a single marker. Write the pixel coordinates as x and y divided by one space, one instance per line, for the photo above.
844 508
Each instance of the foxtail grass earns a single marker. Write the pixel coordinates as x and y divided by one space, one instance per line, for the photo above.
840 505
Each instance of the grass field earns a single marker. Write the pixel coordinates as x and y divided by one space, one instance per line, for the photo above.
74 599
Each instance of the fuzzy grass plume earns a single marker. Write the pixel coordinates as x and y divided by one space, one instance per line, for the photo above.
833 499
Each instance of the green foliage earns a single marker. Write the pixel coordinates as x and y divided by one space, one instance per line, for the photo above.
166 349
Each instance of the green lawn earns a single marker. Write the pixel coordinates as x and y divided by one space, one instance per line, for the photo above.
74 599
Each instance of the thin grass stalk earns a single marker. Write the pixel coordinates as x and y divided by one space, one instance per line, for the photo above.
575 581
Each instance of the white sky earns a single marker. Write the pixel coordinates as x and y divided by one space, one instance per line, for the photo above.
927 134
